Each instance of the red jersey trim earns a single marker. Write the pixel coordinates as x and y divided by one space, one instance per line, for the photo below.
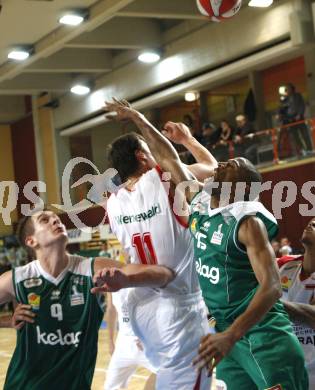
198 382
286 259
179 219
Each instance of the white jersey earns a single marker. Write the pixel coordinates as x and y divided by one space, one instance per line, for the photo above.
120 301
300 290
148 229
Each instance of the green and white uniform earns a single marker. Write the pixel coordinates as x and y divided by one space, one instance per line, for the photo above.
59 350
269 354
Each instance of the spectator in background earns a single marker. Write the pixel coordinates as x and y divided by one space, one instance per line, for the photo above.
221 148
244 139
210 134
285 247
276 247
105 251
292 108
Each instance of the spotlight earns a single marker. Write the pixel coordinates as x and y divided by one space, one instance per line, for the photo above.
191 96
80 89
149 57
260 3
18 55
73 18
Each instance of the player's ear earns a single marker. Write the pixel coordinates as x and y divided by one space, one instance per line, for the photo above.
141 156
31 241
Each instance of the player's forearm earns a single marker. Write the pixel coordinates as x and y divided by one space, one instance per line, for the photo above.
301 313
160 146
111 319
200 153
263 300
148 275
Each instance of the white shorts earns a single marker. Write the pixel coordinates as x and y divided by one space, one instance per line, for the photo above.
127 357
170 328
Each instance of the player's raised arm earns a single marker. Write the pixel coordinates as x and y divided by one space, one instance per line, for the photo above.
6 288
131 275
161 148
180 134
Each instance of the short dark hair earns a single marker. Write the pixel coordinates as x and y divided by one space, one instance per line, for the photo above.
122 154
25 227
249 172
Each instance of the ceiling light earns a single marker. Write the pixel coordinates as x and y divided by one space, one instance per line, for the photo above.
191 96
149 57
18 55
260 3
71 19
80 89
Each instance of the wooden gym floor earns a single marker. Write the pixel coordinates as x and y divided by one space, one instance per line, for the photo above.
7 344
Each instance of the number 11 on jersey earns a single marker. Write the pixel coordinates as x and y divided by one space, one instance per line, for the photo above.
144 246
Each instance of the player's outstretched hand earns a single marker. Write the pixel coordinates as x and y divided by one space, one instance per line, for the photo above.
178 133
21 315
119 110
213 348
109 280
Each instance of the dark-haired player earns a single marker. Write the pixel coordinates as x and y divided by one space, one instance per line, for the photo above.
169 322
58 350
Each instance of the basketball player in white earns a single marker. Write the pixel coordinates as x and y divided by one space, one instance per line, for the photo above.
298 284
170 321
127 352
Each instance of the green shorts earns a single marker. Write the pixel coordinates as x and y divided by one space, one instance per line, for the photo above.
269 356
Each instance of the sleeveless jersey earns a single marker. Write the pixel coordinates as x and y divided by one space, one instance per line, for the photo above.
300 290
146 226
119 299
227 280
59 350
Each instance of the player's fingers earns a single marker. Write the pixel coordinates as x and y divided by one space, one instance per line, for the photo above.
22 317
23 306
126 103
99 290
25 312
18 326
97 275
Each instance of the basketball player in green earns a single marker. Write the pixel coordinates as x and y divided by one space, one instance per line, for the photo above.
58 350
254 347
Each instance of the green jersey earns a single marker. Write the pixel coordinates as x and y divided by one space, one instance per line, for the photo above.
226 277
59 350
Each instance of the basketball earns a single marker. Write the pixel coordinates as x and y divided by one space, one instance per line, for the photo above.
219 10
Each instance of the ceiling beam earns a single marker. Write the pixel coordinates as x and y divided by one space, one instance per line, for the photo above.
74 61
100 12
36 83
164 9
120 33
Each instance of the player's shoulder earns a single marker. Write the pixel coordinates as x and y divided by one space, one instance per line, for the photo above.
27 271
289 262
200 203
248 208
79 265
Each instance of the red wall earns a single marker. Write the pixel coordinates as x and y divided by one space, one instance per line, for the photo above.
292 223
24 155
